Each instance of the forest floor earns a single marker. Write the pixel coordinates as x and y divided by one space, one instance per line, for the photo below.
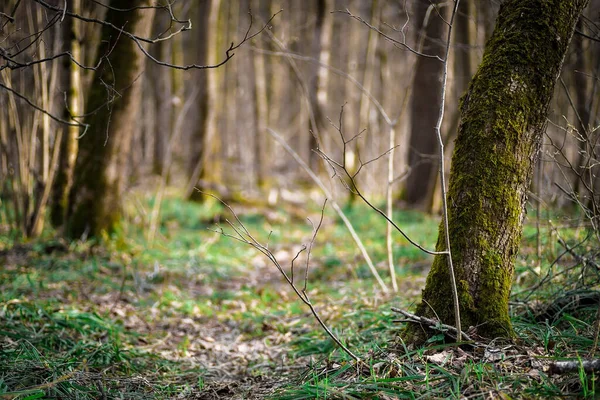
198 315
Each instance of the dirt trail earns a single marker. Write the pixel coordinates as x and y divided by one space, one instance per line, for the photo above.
238 364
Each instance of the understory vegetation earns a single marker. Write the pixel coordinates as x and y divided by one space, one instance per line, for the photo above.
198 315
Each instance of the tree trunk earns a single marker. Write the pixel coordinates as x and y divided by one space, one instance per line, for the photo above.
261 105
163 87
319 77
583 101
425 105
206 142
69 144
371 137
104 149
503 118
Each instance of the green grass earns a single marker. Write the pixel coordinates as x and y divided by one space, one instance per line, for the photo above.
124 319
50 351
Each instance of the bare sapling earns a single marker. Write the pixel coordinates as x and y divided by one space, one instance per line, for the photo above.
444 60
443 177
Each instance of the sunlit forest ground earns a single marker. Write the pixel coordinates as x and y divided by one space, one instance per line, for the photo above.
197 315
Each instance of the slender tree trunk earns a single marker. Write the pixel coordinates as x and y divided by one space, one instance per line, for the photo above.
352 104
168 95
225 145
425 105
372 136
503 118
279 79
318 79
104 150
205 141
245 127
582 100
205 47
261 107
163 86
177 82
69 144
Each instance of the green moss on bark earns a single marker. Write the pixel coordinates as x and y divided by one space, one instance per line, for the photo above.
502 121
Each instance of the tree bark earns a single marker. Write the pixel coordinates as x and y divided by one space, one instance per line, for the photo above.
582 104
366 121
104 149
503 118
203 26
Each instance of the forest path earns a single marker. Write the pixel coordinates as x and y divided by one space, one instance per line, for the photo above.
234 322
242 347
244 325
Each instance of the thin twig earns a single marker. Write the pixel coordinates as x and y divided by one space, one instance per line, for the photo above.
336 165
334 205
438 131
40 109
395 42
431 323
243 235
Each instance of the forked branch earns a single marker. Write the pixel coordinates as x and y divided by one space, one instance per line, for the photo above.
241 234
335 206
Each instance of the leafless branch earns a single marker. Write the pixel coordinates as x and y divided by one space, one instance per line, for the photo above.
8 17
431 323
582 34
442 172
229 53
40 109
350 177
334 205
242 235
400 44
11 18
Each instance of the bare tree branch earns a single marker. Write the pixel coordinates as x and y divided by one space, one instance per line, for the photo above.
229 53
40 109
400 44
243 235
335 206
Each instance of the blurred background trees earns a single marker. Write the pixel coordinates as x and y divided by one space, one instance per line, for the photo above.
100 119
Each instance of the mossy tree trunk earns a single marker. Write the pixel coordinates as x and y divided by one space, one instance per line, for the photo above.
503 118
112 105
